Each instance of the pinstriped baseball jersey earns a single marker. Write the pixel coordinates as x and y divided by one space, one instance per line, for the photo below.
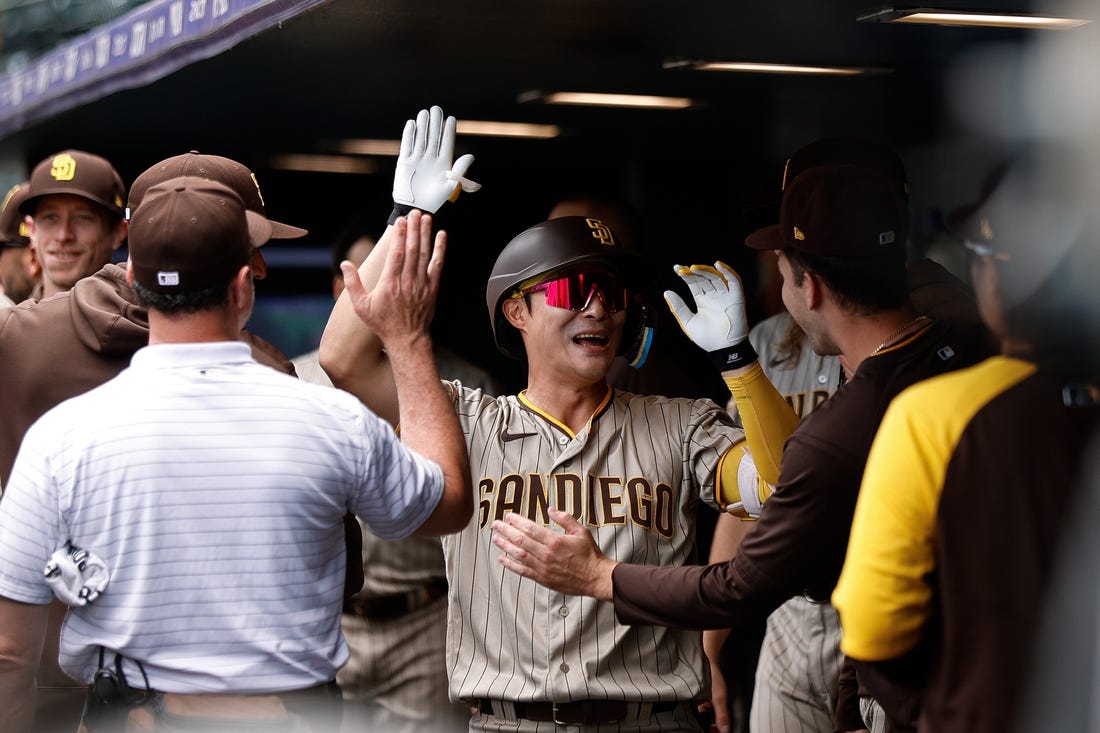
634 476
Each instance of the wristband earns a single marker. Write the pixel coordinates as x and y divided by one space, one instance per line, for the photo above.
733 357
399 210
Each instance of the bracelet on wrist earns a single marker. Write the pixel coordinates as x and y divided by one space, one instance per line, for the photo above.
739 355
399 210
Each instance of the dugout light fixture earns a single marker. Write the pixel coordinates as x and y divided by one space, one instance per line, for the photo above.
485 128
756 67
967 18
367 146
506 129
598 99
306 163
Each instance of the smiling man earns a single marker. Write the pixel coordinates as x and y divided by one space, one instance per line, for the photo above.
565 296
76 202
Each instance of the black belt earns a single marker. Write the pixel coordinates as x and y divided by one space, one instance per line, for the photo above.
396 604
581 712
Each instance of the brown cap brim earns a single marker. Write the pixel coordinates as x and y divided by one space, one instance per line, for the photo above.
765 238
285 231
259 229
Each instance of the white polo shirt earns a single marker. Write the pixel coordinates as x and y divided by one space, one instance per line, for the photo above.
215 489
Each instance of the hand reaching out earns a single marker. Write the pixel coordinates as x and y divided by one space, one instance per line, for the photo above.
569 563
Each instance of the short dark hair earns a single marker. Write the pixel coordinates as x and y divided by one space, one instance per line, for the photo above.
191 301
865 285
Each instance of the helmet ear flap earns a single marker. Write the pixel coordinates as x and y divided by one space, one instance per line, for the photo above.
637 334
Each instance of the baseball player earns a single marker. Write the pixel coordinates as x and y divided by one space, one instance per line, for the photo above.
799 653
632 468
799 657
971 477
838 246
75 203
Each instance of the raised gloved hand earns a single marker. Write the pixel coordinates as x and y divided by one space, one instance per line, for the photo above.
76 576
719 324
425 177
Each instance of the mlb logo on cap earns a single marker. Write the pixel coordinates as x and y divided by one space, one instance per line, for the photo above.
168 279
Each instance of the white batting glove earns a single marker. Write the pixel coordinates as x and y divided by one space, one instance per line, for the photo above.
77 577
719 325
425 177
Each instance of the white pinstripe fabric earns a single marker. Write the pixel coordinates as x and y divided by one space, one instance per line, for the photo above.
215 489
395 680
634 476
874 717
797 675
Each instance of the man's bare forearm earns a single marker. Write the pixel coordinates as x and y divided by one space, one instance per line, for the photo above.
430 427
351 353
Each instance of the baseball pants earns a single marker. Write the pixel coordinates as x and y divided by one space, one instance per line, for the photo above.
680 720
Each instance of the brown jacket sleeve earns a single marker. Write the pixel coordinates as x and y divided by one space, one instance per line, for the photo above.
796 546
847 715
267 354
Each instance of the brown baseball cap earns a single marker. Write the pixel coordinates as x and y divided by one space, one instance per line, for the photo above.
837 211
192 233
850 151
80 174
215 168
13 230
857 151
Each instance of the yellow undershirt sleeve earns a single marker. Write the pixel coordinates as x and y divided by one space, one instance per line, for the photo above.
767 417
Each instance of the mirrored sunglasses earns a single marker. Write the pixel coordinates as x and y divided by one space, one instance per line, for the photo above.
574 292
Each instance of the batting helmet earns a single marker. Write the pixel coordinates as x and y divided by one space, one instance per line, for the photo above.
557 245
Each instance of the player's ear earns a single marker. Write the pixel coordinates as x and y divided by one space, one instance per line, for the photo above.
122 228
812 291
515 310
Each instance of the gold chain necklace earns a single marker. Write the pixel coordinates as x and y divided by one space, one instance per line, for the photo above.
890 339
